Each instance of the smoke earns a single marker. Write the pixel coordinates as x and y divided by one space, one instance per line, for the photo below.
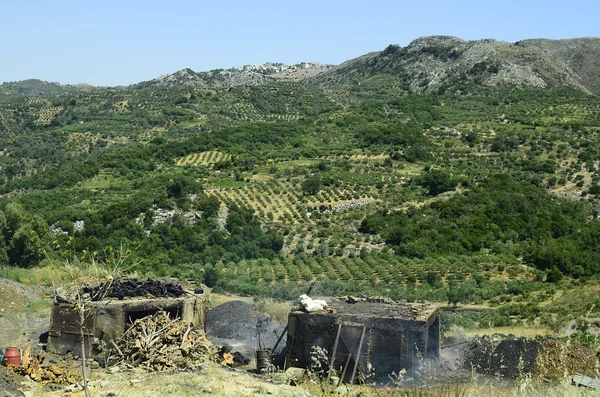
238 324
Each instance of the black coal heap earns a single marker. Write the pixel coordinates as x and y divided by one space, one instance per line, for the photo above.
130 288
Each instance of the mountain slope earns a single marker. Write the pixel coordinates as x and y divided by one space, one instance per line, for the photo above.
444 63
242 75
581 54
428 64
35 87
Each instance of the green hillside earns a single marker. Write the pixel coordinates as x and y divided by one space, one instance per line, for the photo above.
487 195
35 87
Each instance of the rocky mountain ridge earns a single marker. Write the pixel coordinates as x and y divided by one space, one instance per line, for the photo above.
445 63
582 55
428 64
241 75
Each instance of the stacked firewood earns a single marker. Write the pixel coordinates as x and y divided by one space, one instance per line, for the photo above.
159 342
37 370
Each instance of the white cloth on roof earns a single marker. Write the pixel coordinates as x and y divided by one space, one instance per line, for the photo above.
312 305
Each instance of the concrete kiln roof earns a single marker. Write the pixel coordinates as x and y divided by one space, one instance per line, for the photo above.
389 309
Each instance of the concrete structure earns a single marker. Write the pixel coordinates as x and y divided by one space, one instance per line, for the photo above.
108 319
369 338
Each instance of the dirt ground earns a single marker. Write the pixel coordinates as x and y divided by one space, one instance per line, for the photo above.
211 379
9 384
19 325
24 314
215 380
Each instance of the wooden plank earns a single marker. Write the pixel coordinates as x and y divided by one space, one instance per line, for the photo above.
346 367
357 359
335 346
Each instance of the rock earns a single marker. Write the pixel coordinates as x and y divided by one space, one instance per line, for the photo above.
100 361
28 383
74 387
52 387
239 359
295 375
94 384
344 391
113 370
78 226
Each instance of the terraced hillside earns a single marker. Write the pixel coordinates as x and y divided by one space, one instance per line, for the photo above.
490 196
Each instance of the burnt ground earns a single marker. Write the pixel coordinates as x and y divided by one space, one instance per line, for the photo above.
450 369
510 356
235 324
507 356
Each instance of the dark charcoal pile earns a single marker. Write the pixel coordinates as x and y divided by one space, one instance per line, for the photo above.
512 356
509 356
128 288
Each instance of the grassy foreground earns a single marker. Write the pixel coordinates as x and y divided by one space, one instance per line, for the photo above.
219 381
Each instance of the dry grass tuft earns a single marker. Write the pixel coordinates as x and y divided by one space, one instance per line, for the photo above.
278 310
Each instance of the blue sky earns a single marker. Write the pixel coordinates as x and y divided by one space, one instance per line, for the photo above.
122 42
